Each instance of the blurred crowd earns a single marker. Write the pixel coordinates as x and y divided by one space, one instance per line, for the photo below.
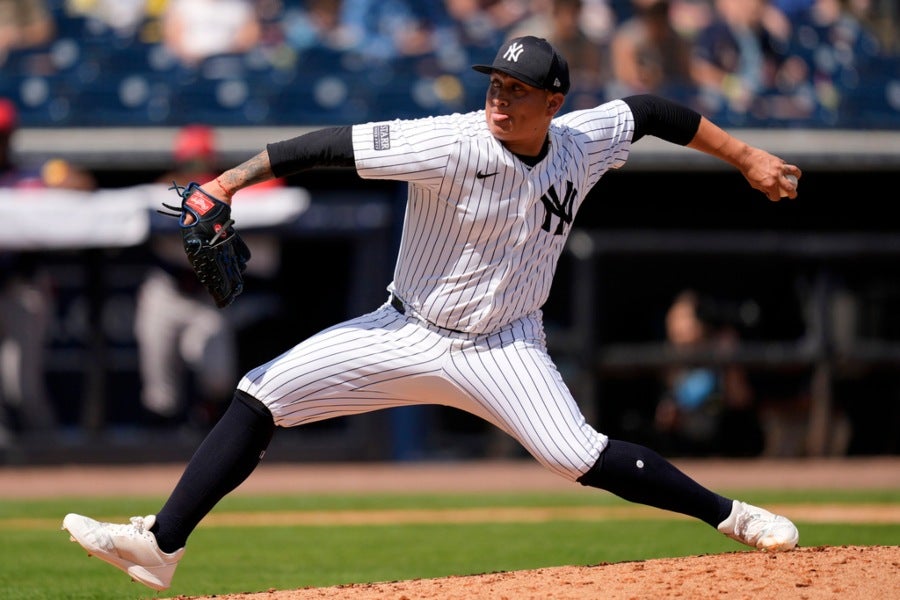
816 63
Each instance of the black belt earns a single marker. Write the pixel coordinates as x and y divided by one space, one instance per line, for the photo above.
397 303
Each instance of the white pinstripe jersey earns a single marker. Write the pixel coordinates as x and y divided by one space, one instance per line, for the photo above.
483 231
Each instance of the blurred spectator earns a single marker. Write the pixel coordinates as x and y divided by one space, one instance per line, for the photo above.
837 49
686 16
706 409
194 30
132 20
317 23
792 8
689 17
61 174
740 61
881 17
598 20
561 22
270 14
649 56
484 24
383 30
24 24
26 299
187 347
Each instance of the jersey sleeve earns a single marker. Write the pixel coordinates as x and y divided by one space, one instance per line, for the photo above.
416 150
604 135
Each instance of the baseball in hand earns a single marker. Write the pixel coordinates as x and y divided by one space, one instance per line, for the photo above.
792 178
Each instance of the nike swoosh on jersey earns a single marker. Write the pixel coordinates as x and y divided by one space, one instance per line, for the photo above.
482 175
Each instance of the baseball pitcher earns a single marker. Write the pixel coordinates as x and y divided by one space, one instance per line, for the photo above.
492 197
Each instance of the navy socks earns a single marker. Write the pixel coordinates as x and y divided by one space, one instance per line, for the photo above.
639 474
230 452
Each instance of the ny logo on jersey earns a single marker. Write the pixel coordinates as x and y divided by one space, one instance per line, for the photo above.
513 52
561 208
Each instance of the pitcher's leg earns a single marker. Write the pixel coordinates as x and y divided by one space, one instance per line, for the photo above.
641 475
514 384
368 363
509 380
228 455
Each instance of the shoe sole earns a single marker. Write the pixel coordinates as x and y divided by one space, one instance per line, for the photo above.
780 541
777 546
135 571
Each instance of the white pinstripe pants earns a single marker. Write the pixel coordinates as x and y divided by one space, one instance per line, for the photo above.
384 359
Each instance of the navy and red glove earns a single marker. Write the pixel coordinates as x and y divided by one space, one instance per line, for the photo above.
216 252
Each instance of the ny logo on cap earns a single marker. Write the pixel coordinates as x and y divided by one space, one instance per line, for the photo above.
513 52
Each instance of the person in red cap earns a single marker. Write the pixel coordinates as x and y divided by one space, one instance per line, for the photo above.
54 173
176 328
194 153
11 174
8 115
24 313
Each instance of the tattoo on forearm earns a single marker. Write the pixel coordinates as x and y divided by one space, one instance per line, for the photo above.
250 172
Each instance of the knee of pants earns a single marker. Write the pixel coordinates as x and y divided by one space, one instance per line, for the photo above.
573 465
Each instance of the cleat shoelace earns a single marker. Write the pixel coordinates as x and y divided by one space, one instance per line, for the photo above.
138 524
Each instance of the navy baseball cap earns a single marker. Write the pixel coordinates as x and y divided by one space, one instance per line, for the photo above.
533 60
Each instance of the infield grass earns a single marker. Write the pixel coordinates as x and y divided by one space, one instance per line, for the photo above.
251 544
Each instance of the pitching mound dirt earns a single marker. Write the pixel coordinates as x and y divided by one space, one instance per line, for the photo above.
846 572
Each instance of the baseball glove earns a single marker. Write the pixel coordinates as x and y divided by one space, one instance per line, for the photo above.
216 252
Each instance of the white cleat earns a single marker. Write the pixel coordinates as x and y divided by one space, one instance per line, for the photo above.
759 528
131 548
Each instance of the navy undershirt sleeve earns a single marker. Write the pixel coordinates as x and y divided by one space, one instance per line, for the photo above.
662 118
328 147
